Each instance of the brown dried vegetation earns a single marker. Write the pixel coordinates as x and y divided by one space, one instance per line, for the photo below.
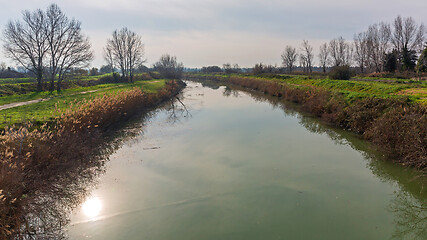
32 160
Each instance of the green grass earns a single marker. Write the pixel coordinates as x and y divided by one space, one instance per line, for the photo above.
352 89
47 94
44 111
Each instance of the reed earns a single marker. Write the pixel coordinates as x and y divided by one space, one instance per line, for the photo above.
33 158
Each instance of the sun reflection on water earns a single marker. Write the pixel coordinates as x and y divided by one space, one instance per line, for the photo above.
92 207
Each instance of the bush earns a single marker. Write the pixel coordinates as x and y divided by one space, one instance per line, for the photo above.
168 67
340 73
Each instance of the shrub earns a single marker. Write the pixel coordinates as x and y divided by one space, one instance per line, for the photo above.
168 67
340 73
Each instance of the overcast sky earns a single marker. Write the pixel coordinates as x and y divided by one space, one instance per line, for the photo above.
213 32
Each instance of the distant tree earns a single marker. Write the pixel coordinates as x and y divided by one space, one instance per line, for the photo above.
227 68
236 68
109 58
422 62
67 46
408 38
307 55
168 67
390 64
211 69
260 68
126 51
25 42
408 34
105 69
289 57
141 68
93 71
324 56
340 51
408 59
361 53
379 36
3 66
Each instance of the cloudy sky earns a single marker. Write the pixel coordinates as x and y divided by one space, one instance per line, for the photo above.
213 32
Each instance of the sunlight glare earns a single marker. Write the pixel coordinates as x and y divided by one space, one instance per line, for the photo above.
92 207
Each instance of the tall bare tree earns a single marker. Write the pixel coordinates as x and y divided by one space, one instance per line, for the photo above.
289 57
324 56
408 39
68 47
126 51
378 44
340 51
307 55
408 34
109 58
25 42
361 53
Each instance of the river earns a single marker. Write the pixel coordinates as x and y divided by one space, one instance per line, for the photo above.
237 165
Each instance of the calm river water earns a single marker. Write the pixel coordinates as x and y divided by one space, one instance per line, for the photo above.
240 166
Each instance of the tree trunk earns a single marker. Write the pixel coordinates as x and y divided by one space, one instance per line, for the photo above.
52 84
58 85
39 80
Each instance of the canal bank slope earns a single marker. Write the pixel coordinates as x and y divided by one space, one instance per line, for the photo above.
33 159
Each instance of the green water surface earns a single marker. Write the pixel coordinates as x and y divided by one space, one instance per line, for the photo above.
239 166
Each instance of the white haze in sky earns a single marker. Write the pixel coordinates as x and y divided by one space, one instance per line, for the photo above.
207 32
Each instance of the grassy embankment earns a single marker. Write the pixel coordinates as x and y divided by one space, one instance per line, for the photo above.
34 157
392 115
43 111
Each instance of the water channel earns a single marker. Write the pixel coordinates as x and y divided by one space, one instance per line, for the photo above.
237 165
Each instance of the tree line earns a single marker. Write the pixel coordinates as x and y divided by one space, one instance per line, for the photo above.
50 45
382 47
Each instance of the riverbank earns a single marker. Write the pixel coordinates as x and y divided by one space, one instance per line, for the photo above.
397 124
32 159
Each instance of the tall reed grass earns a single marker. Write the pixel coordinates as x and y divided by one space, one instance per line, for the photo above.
33 158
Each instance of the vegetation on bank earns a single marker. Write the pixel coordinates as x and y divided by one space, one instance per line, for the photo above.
397 124
40 112
32 157
350 90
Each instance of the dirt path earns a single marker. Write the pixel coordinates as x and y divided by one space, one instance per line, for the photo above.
17 104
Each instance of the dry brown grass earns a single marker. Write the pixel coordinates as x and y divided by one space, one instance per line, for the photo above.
31 159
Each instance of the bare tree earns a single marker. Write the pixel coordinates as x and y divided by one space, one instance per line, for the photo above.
307 55
3 66
361 53
289 57
378 44
169 67
341 52
408 34
68 47
303 63
408 39
25 43
126 51
324 56
109 58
